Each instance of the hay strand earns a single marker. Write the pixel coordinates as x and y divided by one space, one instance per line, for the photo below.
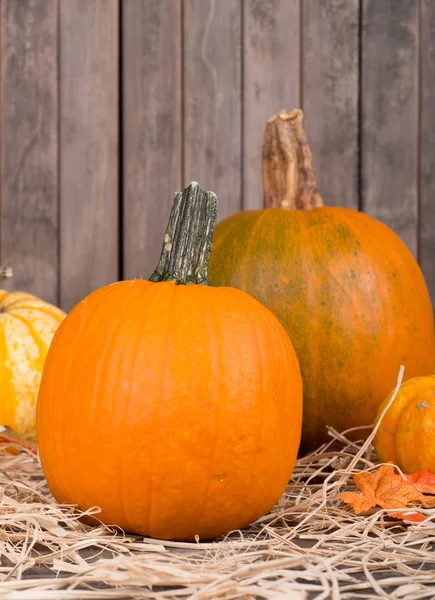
309 546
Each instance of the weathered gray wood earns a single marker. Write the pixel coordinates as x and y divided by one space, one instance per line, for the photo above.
389 97
427 148
88 147
212 99
152 157
271 67
330 96
29 186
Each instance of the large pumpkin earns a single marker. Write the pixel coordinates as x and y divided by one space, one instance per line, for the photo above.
174 408
345 287
27 326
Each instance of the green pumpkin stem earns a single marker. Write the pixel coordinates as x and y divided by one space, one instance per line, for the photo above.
187 245
5 273
288 171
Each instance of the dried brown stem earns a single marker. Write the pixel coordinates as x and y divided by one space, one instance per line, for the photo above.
288 172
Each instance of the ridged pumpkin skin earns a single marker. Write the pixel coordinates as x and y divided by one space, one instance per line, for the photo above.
176 409
345 287
406 434
27 326
348 292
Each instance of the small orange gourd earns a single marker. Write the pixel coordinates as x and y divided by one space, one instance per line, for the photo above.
406 433
173 406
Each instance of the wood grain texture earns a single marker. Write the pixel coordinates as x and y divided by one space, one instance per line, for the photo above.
88 147
29 182
212 99
271 59
427 147
152 159
330 96
389 102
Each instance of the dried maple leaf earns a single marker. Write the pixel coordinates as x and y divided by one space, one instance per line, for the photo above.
384 487
414 517
10 437
423 480
358 502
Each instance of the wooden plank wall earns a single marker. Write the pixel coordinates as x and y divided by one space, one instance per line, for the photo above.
108 106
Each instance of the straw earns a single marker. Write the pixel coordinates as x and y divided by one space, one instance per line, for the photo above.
309 546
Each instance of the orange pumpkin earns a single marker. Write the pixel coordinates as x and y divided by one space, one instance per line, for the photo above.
175 408
345 287
406 433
